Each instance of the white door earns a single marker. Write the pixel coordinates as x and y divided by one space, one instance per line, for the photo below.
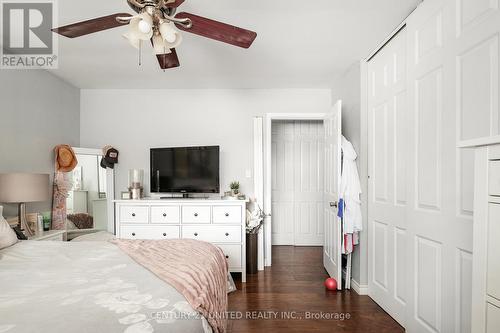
332 254
440 186
387 164
452 95
297 182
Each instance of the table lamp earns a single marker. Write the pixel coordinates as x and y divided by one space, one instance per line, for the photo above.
21 188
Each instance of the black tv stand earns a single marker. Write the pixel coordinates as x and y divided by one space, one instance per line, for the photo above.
184 196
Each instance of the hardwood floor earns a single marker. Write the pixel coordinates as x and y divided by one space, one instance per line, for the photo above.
293 286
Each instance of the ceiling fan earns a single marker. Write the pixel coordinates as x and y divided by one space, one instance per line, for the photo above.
156 21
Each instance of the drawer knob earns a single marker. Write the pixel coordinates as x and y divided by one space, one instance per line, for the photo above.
133 234
133 214
164 214
164 234
227 234
196 234
227 214
195 214
227 257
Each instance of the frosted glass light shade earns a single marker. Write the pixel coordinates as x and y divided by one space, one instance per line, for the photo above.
137 27
159 45
171 35
24 187
135 42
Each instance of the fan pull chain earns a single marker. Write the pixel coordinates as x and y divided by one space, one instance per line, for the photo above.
164 55
140 53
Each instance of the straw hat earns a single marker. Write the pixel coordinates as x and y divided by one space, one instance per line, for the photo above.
65 158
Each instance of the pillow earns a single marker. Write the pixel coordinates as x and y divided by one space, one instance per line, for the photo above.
7 235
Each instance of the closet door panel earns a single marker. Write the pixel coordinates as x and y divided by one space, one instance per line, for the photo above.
477 100
400 147
476 46
425 178
428 145
440 187
387 164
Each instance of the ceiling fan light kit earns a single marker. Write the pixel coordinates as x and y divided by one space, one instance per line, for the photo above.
156 20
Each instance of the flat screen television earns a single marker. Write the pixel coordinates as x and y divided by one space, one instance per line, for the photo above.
185 170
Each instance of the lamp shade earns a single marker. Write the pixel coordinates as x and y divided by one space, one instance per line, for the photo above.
141 27
171 36
24 187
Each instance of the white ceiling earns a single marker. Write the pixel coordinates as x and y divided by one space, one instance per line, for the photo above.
300 44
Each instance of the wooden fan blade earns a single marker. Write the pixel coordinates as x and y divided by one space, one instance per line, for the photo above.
91 26
216 30
169 60
175 3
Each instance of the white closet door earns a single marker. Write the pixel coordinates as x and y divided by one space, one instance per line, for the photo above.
297 183
388 154
332 248
439 178
452 94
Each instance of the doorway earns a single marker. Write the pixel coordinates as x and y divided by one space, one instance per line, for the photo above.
330 156
297 153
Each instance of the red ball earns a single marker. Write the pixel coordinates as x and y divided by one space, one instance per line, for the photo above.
331 284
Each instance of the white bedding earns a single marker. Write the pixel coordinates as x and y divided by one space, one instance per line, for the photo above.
86 287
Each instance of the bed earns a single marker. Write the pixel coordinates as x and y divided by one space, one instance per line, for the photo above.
87 286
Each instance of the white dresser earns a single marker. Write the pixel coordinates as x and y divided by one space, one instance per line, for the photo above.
219 222
486 250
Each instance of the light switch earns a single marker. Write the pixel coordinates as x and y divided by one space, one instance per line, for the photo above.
248 173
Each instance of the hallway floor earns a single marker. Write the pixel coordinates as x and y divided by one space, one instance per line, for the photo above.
293 287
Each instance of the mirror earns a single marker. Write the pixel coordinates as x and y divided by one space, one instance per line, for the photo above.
87 202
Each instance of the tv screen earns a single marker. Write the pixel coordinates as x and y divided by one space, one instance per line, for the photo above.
185 170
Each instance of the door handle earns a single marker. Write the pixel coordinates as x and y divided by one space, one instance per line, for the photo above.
334 204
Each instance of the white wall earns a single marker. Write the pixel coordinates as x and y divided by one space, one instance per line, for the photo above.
38 111
136 120
348 88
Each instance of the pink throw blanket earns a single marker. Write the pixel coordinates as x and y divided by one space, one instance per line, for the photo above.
197 270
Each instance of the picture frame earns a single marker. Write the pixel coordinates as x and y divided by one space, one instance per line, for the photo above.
125 195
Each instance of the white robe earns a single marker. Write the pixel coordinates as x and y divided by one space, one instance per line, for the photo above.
350 190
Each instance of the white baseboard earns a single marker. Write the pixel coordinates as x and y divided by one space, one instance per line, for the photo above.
360 289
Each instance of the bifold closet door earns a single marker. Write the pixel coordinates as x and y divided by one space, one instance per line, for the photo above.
297 182
452 96
453 91
388 154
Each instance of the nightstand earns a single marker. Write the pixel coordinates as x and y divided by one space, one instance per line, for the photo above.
51 235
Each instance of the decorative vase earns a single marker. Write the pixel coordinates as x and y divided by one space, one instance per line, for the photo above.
252 241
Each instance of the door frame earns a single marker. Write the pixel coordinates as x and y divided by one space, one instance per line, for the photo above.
268 120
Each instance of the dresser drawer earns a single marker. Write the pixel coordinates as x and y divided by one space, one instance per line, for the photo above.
195 214
494 178
134 214
213 233
233 254
226 214
149 232
165 214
